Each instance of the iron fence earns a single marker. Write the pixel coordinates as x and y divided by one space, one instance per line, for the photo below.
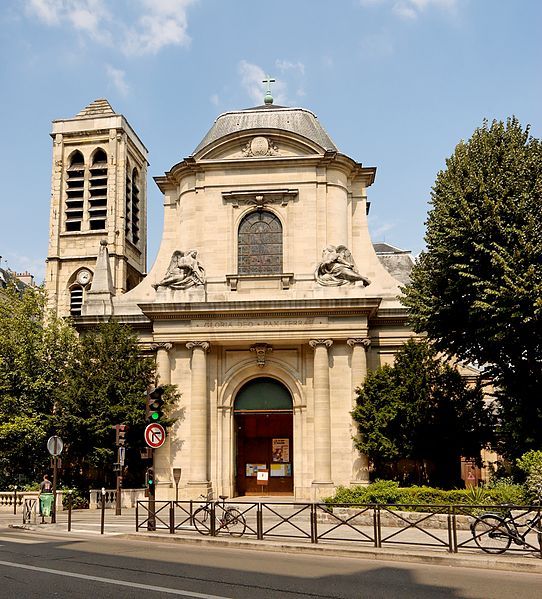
451 528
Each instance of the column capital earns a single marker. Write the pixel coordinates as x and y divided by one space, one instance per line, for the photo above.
156 346
363 341
314 343
205 345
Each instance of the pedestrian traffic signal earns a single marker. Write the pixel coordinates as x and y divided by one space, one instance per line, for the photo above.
120 431
155 405
149 478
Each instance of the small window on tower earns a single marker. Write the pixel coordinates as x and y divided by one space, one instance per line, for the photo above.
135 206
97 204
75 182
76 300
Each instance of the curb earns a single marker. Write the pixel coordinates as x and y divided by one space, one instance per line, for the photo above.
382 554
519 563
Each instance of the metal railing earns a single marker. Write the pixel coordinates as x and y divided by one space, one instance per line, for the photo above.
446 527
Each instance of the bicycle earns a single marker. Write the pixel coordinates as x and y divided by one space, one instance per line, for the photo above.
494 533
231 519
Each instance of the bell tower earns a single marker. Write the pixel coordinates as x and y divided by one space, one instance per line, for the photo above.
98 192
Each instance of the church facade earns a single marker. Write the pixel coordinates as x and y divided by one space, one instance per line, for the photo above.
267 303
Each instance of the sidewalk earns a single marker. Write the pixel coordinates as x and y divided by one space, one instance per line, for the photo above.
88 523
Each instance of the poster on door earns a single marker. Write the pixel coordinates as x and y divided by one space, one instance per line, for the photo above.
281 450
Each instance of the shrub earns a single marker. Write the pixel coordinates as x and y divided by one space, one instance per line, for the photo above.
78 500
531 463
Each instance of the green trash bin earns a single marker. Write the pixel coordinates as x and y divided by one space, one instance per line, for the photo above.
46 503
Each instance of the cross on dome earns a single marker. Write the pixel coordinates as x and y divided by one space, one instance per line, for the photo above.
268 98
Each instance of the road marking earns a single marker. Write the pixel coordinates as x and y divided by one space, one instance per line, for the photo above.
122 583
19 540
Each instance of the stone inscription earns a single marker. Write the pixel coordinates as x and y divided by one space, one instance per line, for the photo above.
257 323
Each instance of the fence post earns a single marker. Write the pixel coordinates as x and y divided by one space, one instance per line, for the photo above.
171 517
379 526
454 529
539 535
314 508
69 510
259 522
137 515
102 524
213 531
191 521
450 534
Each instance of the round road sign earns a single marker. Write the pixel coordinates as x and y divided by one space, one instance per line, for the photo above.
55 445
155 435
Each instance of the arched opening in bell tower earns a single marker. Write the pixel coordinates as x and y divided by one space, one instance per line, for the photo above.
263 413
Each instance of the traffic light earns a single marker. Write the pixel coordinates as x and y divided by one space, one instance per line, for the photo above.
155 405
121 430
149 478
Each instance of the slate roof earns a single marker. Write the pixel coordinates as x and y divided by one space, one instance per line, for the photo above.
297 120
100 107
397 262
8 276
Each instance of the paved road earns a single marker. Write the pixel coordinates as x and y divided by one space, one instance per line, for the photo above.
37 564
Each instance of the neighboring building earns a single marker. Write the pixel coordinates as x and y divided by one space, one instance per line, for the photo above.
21 280
266 305
397 262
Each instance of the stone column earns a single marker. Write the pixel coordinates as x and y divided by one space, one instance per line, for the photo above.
360 462
163 367
322 416
198 414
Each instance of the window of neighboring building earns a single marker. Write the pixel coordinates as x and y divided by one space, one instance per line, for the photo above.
75 184
128 204
76 300
260 244
97 205
135 206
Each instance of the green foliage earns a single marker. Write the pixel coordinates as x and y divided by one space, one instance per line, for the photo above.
421 409
78 500
531 464
54 382
35 350
389 492
477 289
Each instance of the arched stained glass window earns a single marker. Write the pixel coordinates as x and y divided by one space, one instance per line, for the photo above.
260 244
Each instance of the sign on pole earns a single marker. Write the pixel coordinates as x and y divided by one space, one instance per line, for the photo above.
122 453
155 435
55 445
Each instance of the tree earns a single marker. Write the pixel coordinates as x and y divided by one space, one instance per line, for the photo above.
477 289
106 384
420 409
35 351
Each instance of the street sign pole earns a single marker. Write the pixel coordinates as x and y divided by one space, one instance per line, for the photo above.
54 446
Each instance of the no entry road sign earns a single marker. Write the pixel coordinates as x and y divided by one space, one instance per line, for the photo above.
155 435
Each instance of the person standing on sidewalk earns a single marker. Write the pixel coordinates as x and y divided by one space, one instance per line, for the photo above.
46 496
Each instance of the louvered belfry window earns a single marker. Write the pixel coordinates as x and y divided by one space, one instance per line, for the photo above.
260 244
97 205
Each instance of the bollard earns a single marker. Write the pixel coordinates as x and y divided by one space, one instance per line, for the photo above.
69 510
15 500
103 512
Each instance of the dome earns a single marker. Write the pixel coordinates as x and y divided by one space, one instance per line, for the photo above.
297 120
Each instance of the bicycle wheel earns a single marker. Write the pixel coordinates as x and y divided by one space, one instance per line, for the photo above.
234 522
202 520
491 534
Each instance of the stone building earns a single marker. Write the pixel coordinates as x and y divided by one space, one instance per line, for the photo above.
266 305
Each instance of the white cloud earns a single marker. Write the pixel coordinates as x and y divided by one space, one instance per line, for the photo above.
411 9
252 77
286 65
160 23
118 79
163 23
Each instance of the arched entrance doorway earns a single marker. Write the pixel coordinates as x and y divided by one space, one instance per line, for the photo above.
263 412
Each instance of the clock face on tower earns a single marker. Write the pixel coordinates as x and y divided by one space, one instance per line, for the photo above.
83 277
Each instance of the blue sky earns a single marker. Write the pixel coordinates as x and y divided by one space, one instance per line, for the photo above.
396 84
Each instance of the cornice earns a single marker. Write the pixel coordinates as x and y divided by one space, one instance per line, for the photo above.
264 308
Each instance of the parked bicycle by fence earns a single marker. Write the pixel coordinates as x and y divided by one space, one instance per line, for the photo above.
219 514
494 532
